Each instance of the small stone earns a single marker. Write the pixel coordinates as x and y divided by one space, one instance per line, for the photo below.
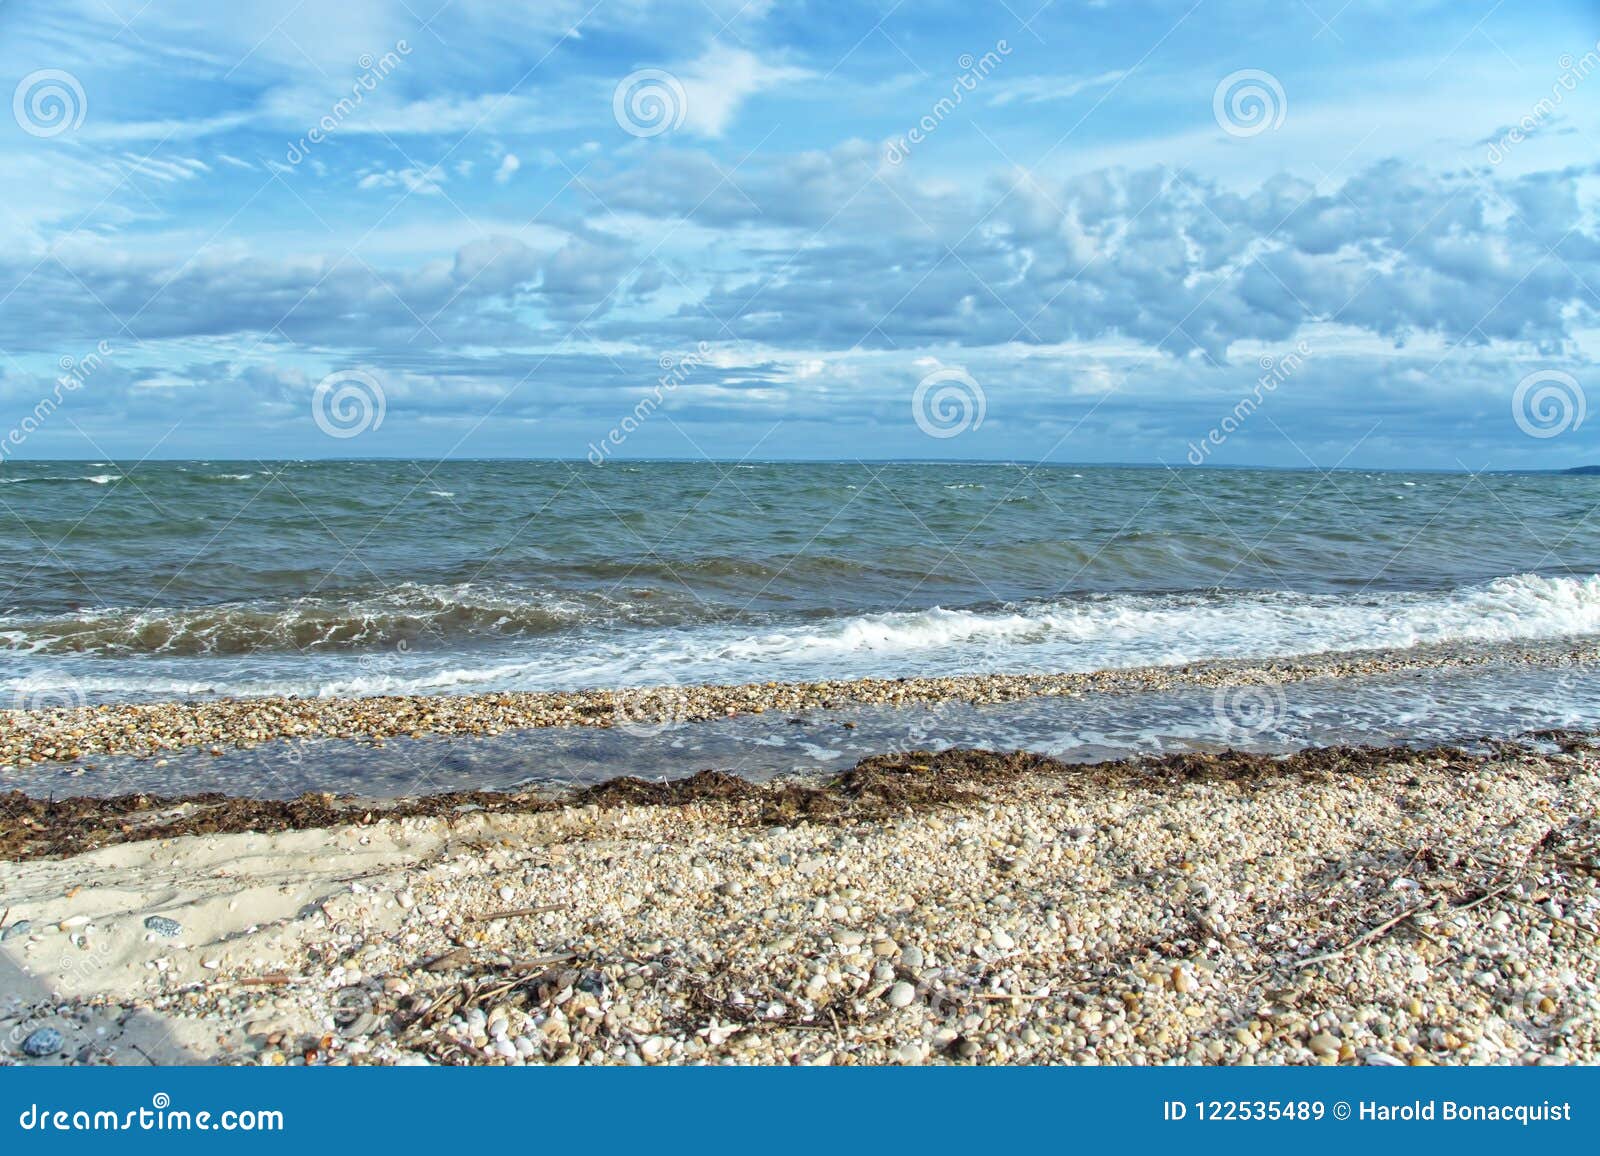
1182 980
42 1042
912 956
901 994
1001 938
162 926
1322 1044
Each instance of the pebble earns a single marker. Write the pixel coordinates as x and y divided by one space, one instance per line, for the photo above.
42 1042
143 729
905 945
162 926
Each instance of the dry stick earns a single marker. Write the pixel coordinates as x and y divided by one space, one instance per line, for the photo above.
1578 927
1389 924
512 913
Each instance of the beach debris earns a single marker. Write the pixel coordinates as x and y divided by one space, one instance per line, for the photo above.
163 926
20 927
42 1042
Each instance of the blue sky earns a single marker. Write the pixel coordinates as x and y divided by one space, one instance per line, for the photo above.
766 240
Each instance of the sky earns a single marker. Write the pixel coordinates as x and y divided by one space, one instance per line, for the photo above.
1295 233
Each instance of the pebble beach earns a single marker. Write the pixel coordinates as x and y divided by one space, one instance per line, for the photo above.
66 734
1355 906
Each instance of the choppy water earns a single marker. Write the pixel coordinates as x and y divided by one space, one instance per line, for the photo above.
204 578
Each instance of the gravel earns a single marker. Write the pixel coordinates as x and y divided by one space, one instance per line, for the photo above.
1422 908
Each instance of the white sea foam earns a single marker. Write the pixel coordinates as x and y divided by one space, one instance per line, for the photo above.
1103 632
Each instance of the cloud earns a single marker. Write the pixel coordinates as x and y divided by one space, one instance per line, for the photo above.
412 180
1037 89
509 164
719 82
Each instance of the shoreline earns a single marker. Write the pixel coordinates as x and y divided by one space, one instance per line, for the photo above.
148 730
1339 905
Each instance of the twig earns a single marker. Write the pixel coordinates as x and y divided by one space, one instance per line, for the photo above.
514 912
1578 927
1368 936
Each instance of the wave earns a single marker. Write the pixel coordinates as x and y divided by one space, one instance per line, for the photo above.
1114 630
407 614
92 479
469 637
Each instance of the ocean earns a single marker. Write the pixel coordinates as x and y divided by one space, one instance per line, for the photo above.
186 579
189 580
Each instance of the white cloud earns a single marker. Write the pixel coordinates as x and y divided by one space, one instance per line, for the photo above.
716 84
509 164
1035 89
